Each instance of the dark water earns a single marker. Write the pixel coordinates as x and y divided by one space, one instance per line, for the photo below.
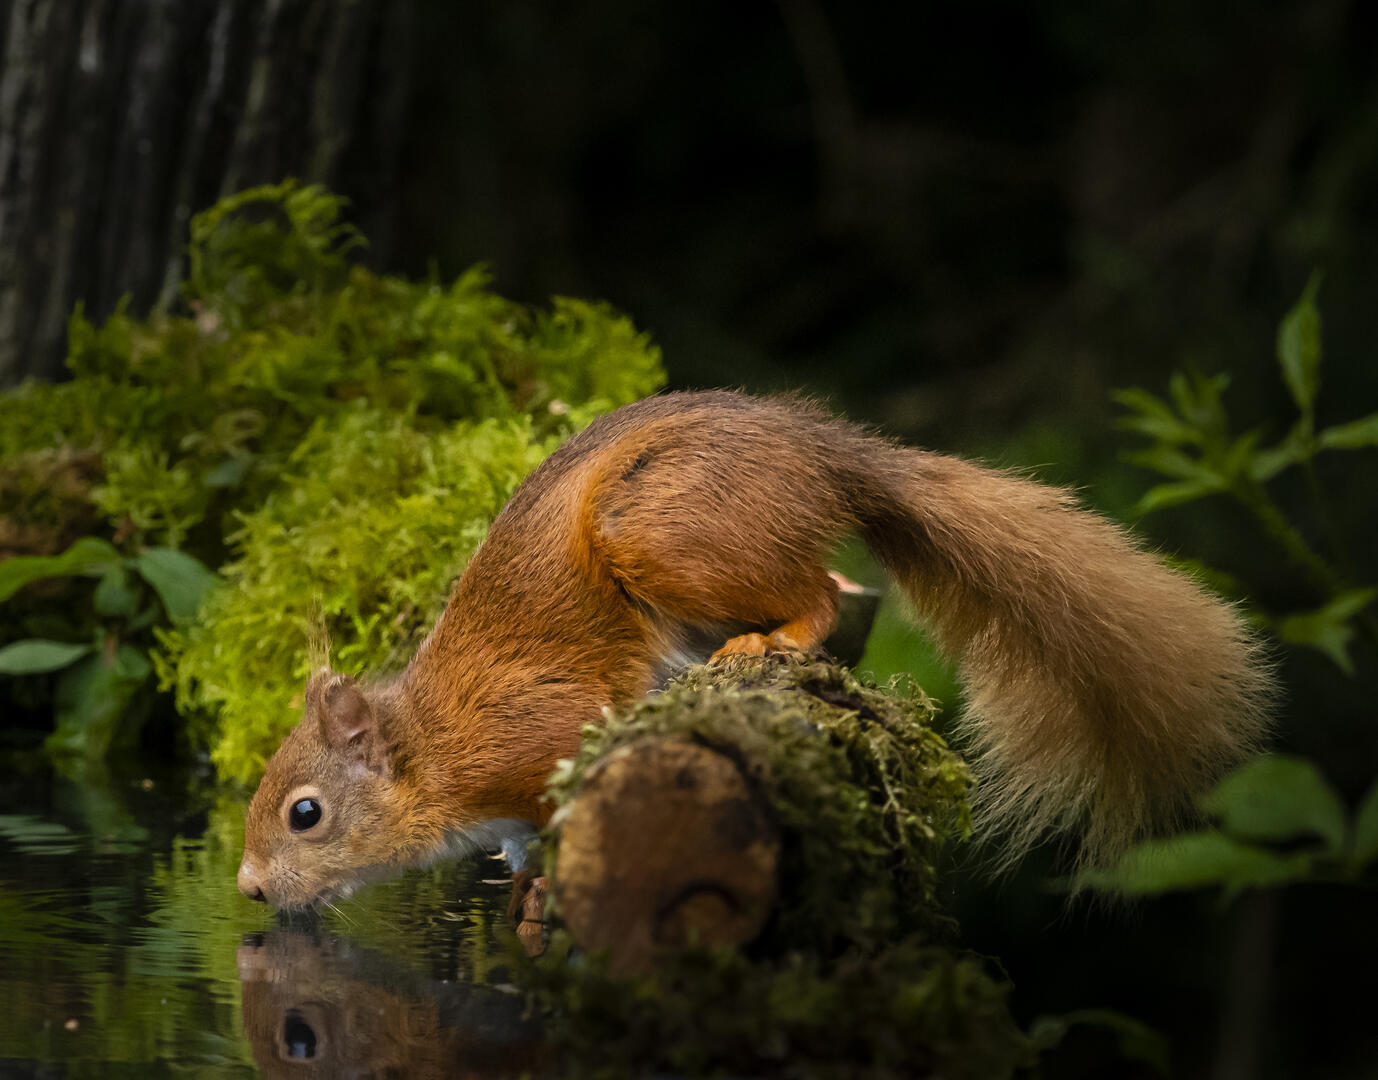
126 950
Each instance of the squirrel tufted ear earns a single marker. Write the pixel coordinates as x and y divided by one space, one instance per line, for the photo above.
346 717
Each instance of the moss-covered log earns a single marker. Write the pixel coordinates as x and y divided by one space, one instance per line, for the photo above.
746 863
859 787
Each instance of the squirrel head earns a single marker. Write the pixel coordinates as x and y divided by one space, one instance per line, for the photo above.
325 816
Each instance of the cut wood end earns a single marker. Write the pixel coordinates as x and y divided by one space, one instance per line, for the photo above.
666 845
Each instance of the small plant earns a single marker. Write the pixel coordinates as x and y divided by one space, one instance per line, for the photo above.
1278 819
100 682
1192 443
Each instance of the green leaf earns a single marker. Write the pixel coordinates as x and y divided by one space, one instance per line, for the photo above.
1154 418
1351 436
1349 604
1172 463
115 596
1198 399
36 655
1327 628
1278 798
1165 495
93 702
1366 830
180 580
1137 1041
1194 861
1238 459
88 555
1179 385
1266 464
1299 348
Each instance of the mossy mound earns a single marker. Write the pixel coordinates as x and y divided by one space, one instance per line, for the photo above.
851 976
332 441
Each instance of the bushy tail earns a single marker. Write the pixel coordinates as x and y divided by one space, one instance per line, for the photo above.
1101 685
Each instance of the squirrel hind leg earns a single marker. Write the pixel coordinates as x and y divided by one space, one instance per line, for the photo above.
733 540
804 633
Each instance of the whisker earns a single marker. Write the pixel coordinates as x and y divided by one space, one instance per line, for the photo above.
343 917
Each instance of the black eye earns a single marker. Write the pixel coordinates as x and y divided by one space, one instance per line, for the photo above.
304 814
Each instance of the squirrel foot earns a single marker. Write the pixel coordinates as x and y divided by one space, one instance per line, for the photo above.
803 634
526 910
756 645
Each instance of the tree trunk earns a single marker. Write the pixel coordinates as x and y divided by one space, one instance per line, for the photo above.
119 119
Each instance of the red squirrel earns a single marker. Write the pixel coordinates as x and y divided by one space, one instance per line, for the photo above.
1101 686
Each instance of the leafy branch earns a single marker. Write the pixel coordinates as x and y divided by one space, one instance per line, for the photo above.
1193 444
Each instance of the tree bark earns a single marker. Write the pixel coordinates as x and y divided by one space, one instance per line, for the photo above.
119 119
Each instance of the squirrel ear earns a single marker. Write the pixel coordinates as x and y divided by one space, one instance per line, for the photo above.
347 719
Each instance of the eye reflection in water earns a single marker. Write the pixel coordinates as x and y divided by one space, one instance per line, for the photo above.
319 1005
298 1037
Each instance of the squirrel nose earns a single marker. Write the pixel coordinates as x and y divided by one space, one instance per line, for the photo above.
248 882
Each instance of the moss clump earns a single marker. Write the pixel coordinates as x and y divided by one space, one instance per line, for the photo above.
370 522
298 423
848 978
45 500
194 414
911 1010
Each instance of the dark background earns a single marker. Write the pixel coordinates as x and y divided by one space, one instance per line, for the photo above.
963 223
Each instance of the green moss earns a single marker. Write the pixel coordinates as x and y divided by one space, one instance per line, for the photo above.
369 524
911 1010
850 977
311 429
196 414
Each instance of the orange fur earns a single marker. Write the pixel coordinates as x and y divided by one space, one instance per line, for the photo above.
1102 686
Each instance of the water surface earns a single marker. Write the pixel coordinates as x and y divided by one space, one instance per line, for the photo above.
125 948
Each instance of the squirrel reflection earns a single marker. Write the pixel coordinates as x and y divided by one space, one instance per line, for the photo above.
316 1006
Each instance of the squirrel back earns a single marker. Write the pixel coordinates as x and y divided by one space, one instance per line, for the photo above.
1101 685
